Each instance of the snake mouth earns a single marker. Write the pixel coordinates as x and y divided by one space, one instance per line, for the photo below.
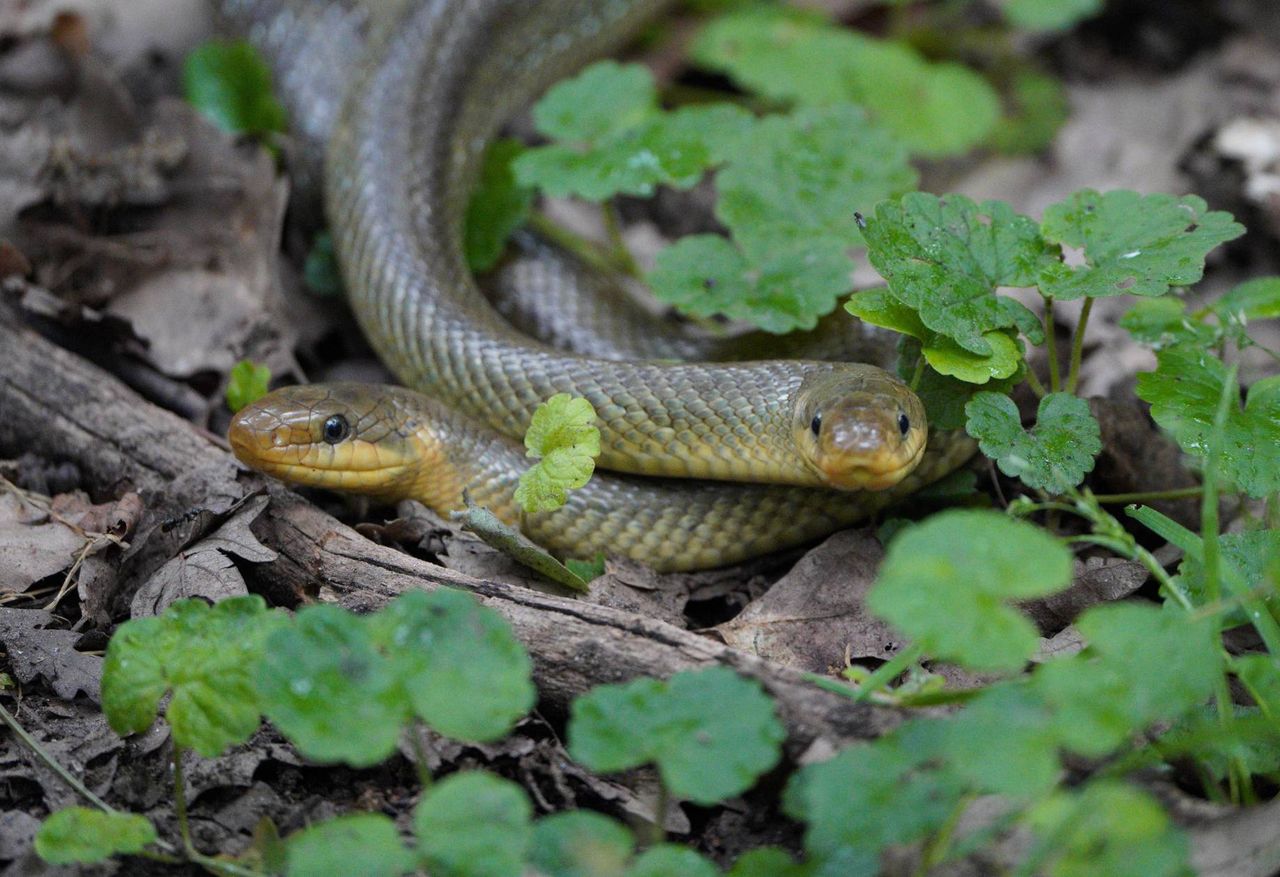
874 473
290 454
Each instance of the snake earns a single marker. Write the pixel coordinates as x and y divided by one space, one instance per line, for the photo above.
437 81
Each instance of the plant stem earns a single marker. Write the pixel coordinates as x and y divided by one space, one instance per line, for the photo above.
613 227
180 802
1148 496
657 832
886 672
1034 383
1051 345
425 779
49 761
586 250
918 373
1077 346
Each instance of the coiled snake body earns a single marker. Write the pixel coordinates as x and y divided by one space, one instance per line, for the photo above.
438 80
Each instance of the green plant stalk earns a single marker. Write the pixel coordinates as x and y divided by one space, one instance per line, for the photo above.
1034 383
613 227
425 779
1148 496
586 250
936 849
918 373
656 832
887 671
184 826
1051 346
51 763
1077 346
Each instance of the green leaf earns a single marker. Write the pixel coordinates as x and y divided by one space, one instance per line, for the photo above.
563 433
1164 322
511 542
78 834
1144 664
1054 455
1004 742
1261 675
586 569
705 275
246 384
326 687
767 862
788 195
944 397
950 359
1133 244
205 656
1049 14
611 137
945 583
1257 299
473 824
868 798
935 109
1109 828
1184 391
231 84
320 270
464 671
944 257
711 732
580 843
799 179
330 848
603 98
879 308
665 860
498 206
1252 557
1040 107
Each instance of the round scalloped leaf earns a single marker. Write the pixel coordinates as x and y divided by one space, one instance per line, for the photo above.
473 824
944 257
205 656
767 862
799 178
328 690
1109 828
1143 664
563 436
946 583
329 848
1054 455
459 663
949 358
80 835
498 206
1257 299
711 732
705 275
772 52
603 98
666 860
1133 244
580 843
1184 391
230 83
1049 14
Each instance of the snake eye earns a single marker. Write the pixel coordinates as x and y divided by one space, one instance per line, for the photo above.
816 424
904 423
336 429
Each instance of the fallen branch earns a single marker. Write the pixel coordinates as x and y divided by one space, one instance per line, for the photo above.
62 408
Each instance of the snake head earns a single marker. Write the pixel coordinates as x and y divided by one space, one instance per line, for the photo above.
347 437
861 429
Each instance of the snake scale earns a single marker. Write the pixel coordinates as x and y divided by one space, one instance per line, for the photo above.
437 81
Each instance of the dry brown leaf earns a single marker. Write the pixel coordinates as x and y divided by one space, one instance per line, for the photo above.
815 616
37 650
